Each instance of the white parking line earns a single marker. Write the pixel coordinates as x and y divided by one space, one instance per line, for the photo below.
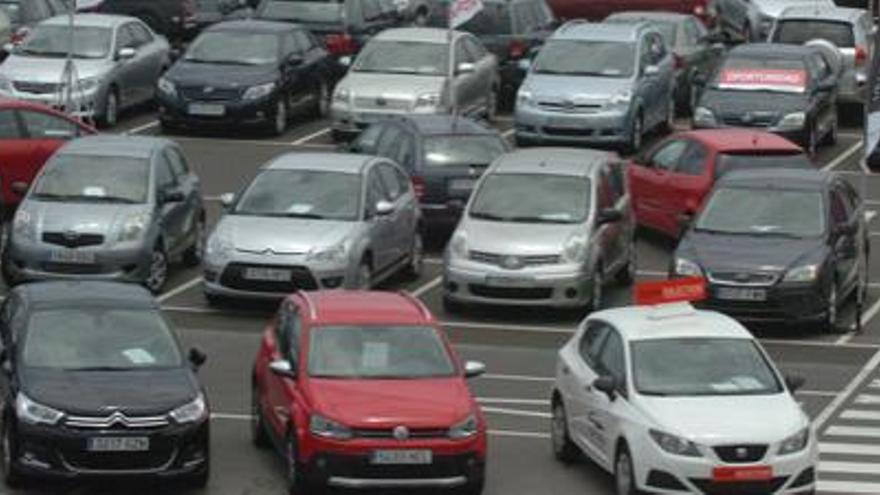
843 156
142 128
506 400
427 286
844 394
309 137
180 288
507 133
516 412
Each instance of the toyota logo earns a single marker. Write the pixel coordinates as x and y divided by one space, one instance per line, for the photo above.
71 235
400 432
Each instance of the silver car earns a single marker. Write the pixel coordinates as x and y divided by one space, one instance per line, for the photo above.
597 83
851 31
751 20
314 221
117 60
405 70
544 226
109 208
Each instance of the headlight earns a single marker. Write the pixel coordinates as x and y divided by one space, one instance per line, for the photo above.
524 98
166 86
793 120
465 429
458 245
88 84
703 115
795 443
687 268
807 273
622 97
674 444
23 225
575 249
5 85
327 428
133 227
342 95
259 91
218 248
333 254
428 100
34 413
191 411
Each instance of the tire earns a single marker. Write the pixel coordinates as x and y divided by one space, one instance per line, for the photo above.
831 138
491 105
11 475
110 117
564 449
259 434
668 125
598 289
624 478
627 274
364 280
636 132
293 473
832 310
158 273
278 124
322 101
193 254
416 256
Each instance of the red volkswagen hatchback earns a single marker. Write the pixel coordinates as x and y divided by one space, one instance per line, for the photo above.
669 182
362 390
29 134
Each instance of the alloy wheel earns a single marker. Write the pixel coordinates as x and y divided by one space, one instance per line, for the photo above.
111 109
158 271
280 117
558 429
623 474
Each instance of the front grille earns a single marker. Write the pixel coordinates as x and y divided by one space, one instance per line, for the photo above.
159 457
381 103
740 488
352 466
741 453
414 433
116 420
528 260
743 278
301 279
216 94
749 119
567 107
566 131
73 240
72 268
39 88
511 292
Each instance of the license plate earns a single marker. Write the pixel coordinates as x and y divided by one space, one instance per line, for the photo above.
73 256
741 294
461 185
119 444
503 281
267 274
207 109
728 474
566 123
401 457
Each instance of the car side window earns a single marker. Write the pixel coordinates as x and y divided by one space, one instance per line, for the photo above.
668 155
462 55
474 48
303 40
644 53
850 199
371 9
287 331
405 156
692 32
591 342
375 192
39 125
657 48
612 359
693 160
164 176
124 38
368 140
9 127
388 142
290 43
391 182
839 214
140 33
605 197
617 179
177 162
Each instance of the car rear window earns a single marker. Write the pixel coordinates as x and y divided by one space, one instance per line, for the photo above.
319 11
725 162
798 32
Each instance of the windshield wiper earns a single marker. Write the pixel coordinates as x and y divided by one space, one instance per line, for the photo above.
218 62
537 220
654 393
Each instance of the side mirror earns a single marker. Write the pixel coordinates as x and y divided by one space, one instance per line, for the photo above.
465 68
524 64
227 199
384 208
196 357
827 85
794 382
607 385
699 79
282 367
126 53
651 70
293 60
345 61
20 187
172 196
608 215
473 369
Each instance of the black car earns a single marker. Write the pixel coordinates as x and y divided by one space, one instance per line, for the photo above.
210 12
95 385
779 245
785 89
174 19
444 156
248 72
344 25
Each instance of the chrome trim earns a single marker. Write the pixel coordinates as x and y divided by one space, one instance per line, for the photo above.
344 482
772 279
163 467
114 419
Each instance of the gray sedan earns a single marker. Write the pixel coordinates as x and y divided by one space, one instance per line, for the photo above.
315 221
110 208
117 59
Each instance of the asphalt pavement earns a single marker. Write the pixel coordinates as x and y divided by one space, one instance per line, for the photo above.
842 393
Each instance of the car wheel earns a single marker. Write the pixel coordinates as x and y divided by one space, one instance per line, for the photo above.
635 134
322 100
259 433
563 448
364 279
627 274
831 137
491 105
293 473
193 255
11 476
598 287
669 123
279 121
111 109
832 310
624 477
158 273
416 256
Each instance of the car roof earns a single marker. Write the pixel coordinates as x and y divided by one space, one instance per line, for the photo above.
734 139
85 293
677 320
341 306
777 178
253 26
771 50
611 31
423 34
350 163
553 161
89 20
653 15
822 12
116 145
446 124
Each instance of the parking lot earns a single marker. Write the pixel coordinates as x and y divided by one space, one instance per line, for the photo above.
842 392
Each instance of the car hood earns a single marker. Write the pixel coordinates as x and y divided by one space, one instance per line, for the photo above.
282 235
428 403
725 420
49 70
93 218
517 238
739 102
575 88
366 84
220 75
718 252
98 392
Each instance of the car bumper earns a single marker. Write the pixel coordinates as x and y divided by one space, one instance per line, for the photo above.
60 452
33 261
606 126
794 303
349 120
85 103
176 111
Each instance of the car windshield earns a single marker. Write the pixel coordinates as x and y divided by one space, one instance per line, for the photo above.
302 194
320 11
766 159
764 212
234 47
11 9
800 31
587 58
442 151
94 178
99 338
762 74
493 19
54 41
668 29
701 367
532 198
403 57
378 352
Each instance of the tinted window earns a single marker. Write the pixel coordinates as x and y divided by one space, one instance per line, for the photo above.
693 160
591 342
798 32
726 162
41 125
9 128
86 178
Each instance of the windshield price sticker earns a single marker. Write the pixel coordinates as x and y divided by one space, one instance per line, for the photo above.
670 291
773 79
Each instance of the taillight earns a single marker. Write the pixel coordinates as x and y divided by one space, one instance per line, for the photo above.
339 44
518 49
861 55
418 186
20 34
678 60
699 10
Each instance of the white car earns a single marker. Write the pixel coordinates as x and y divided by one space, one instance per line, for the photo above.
671 399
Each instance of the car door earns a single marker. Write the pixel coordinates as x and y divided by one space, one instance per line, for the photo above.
10 315
404 216
575 375
172 214
648 177
281 393
381 229
687 184
608 238
314 62
127 76
664 80
844 231
188 185
150 59
18 158
609 414
46 133
296 78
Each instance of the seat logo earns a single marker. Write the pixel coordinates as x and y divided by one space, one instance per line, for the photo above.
742 452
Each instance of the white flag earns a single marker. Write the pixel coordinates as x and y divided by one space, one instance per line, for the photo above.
461 11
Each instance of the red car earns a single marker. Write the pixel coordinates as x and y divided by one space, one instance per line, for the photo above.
361 389
669 182
29 134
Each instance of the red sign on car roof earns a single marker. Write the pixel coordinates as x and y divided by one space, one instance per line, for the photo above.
670 291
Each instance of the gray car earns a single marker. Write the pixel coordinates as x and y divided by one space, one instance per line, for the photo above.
109 208
405 70
851 31
314 221
751 20
544 226
117 61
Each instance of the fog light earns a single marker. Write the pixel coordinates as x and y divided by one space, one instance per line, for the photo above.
30 459
452 287
571 293
331 282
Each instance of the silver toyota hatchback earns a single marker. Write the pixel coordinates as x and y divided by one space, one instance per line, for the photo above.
544 227
111 208
314 221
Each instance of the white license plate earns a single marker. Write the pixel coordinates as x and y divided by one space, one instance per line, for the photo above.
502 281
73 256
741 294
401 457
119 444
461 185
267 274
566 124
207 109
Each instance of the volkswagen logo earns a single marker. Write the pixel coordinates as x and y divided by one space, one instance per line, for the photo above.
512 262
208 89
742 452
747 117
381 101
400 432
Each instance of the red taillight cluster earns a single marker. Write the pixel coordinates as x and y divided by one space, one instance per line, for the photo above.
518 49
418 186
861 55
20 34
339 44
